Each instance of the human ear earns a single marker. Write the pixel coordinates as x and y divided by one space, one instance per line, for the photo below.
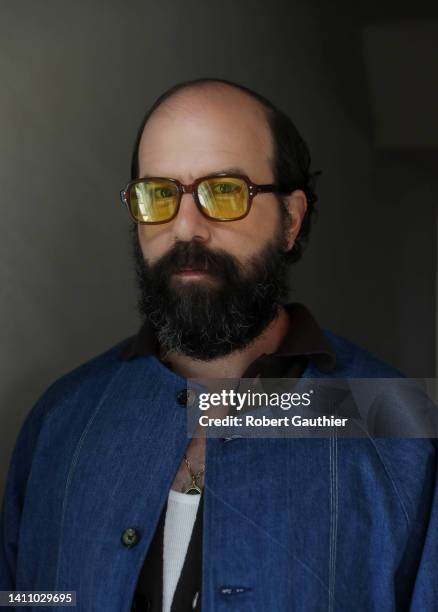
296 205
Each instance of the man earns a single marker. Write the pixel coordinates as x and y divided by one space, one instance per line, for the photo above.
107 496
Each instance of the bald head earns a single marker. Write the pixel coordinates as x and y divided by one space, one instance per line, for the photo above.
220 98
206 129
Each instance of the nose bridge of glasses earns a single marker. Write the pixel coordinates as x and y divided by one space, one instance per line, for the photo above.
191 189
188 188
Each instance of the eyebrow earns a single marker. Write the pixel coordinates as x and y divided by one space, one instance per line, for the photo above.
232 170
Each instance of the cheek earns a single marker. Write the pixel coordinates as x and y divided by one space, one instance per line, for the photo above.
246 237
267 213
154 241
261 224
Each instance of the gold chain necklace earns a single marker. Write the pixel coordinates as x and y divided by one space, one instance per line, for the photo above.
194 488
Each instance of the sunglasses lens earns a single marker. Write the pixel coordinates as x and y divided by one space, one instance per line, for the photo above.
153 201
223 197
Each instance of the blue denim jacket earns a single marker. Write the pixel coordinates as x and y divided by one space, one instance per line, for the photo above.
289 524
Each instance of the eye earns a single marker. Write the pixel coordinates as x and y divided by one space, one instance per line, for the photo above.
224 188
164 193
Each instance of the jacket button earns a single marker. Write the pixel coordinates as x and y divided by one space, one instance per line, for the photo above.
186 397
141 604
130 537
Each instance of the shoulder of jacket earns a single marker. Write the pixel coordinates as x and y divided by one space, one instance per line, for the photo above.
410 463
354 361
89 377
87 380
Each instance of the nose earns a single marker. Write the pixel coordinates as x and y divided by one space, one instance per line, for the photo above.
190 223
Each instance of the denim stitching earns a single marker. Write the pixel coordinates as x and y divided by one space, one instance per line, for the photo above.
333 516
388 473
73 466
267 534
331 521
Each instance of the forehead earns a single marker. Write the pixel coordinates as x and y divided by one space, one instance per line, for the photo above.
205 131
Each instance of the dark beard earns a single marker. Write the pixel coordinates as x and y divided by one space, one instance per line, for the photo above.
224 312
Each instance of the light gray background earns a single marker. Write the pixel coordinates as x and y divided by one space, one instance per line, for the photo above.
76 78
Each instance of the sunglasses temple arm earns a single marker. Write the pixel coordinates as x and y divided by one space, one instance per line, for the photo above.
275 188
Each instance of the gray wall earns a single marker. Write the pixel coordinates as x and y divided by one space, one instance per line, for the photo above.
76 78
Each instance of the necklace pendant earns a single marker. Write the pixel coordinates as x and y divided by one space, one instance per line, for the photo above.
193 490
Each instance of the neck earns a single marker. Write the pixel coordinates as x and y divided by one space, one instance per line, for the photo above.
234 364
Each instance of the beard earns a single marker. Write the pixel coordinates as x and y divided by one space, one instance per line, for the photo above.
223 311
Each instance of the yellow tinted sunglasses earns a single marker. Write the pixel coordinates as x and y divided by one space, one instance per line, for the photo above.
221 197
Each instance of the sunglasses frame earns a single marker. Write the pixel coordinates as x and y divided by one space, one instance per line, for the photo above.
253 190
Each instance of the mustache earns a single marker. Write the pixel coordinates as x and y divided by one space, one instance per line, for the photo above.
198 257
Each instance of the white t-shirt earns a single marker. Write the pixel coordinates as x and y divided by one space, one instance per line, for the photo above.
178 526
